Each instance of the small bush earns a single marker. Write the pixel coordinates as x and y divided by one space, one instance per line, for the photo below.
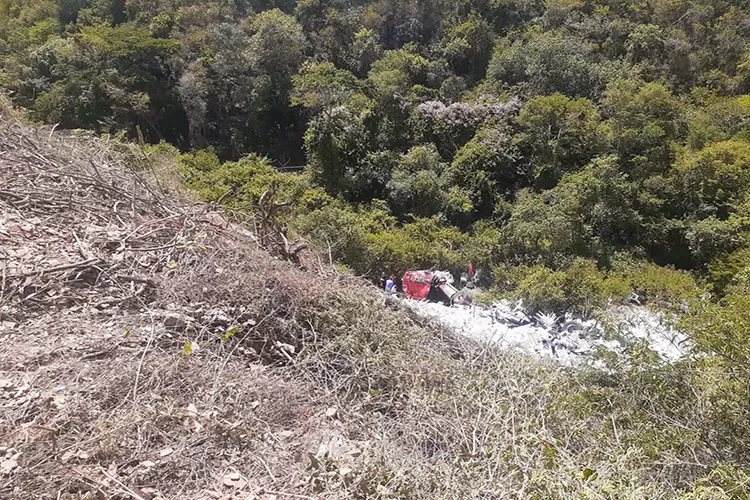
421 244
238 184
728 273
540 288
581 287
342 231
663 284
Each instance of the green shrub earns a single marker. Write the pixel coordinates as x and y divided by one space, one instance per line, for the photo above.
485 249
424 243
663 284
584 286
710 237
718 175
729 272
540 288
722 332
726 481
342 231
237 184
580 286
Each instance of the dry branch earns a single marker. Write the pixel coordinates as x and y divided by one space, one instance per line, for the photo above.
66 267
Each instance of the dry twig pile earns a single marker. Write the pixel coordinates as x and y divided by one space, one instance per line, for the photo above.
128 318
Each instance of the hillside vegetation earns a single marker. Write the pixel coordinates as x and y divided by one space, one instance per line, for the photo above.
573 150
153 348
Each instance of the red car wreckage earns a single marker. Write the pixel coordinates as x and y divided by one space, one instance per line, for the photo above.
433 286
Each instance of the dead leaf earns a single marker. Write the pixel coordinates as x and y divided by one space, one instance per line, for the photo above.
166 452
58 401
215 219
148 464
288 348
314 462
151 492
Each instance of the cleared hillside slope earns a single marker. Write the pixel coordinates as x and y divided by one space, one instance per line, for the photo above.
150 349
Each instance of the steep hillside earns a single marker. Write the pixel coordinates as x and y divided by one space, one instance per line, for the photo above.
576 153
151 349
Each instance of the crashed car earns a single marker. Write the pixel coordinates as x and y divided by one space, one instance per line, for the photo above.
434 286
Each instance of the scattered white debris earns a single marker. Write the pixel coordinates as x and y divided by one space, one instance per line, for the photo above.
234 480
568 340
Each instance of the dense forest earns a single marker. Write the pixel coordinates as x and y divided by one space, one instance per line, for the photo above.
504 132
541 141
574 150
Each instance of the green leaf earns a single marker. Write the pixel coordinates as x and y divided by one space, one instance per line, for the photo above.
187 349
230 333
588 473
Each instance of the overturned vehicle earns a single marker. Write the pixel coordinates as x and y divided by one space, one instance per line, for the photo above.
434 286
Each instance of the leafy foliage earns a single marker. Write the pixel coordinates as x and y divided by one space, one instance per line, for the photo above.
578 150
237 184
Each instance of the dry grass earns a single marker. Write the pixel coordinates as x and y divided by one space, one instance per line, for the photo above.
105 280
173 358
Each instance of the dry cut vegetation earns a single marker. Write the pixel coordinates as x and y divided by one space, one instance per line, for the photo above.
152 348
